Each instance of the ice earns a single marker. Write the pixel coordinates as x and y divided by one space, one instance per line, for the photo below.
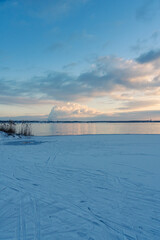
94 187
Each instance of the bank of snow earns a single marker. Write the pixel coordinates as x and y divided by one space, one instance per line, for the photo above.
95 187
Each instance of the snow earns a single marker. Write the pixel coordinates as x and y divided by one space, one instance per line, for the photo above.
94 187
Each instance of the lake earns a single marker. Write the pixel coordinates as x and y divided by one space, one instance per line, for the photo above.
49 129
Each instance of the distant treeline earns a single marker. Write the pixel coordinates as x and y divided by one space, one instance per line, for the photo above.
129 121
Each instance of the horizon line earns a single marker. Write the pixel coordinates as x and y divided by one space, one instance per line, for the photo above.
80 121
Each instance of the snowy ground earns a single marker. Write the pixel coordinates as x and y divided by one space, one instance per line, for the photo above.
97 187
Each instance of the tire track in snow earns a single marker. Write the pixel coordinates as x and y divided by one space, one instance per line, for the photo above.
36 219
18 230
22 218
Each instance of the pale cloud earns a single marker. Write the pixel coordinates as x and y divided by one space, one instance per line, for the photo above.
72 111
25 118
137 115
75 112
139 105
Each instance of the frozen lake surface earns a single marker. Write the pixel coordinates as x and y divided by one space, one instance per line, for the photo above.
92 187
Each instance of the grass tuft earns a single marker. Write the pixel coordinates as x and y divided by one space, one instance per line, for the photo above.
11 129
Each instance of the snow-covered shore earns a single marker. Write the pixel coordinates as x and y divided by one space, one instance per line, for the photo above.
95 187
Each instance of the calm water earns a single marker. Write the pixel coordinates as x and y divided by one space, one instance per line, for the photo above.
48 129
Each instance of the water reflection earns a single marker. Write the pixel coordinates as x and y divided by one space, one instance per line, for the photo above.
48 129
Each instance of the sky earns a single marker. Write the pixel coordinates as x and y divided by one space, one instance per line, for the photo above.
80 59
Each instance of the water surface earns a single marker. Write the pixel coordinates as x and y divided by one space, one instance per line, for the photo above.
49 129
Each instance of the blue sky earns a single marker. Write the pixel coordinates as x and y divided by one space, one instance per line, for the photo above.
95 59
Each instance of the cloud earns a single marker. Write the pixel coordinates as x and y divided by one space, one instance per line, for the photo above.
72 111
7 87
137 115
149 56
139 104
25 118
14 100
77 112
126 84
107 75
119 116
146 43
